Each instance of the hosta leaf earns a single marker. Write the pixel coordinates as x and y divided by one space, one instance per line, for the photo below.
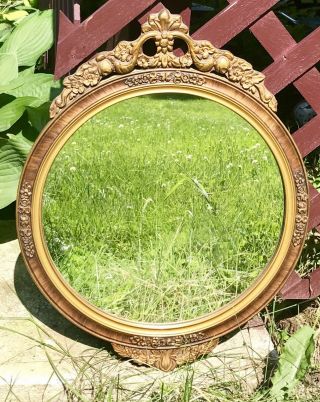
5 30
8 67
15 15
17 82
294 363
38 85
13 153
31 38
12 111
39 116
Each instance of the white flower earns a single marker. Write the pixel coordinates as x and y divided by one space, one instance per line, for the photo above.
120 126
254 161
73 143
65 247
189 157
73 169
229 165
265 158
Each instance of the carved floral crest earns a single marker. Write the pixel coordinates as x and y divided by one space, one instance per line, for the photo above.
163 28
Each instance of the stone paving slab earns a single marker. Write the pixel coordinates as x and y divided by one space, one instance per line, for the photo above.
24 358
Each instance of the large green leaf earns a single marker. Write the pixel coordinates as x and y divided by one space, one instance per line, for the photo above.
294 363
8 67
17 82
39 117
5 30
13 153
15 15
38 85
12 112
31 38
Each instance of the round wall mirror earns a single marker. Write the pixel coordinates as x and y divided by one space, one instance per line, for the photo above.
141 207
164 204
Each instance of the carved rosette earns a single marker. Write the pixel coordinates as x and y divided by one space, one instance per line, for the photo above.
165 359
24 209
175 77
163 28
302 208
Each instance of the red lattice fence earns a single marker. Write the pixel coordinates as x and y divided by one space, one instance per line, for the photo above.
293 63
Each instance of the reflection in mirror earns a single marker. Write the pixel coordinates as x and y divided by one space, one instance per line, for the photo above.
163 207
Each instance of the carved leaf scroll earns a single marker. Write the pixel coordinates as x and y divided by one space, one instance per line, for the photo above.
165 359
163 28
24 209
302 208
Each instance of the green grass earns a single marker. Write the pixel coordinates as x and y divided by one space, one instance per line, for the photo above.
163 208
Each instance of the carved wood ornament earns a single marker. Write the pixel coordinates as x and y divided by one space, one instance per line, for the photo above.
163 28
125 72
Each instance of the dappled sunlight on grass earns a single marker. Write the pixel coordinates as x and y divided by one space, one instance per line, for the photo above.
162 209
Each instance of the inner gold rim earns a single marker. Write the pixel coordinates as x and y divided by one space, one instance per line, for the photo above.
231 309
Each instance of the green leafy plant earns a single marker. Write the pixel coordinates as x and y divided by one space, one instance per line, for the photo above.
12 12
294 363
25 94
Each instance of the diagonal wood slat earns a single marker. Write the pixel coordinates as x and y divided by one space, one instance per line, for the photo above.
307 137
86 37
296 61
232 20
309 86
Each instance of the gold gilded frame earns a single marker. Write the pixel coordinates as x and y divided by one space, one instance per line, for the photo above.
204 71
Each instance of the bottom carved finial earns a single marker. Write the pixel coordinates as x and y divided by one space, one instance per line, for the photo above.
165 359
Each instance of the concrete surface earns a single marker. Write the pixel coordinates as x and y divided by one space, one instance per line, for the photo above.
39 349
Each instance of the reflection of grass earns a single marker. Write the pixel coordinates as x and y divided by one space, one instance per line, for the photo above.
165 210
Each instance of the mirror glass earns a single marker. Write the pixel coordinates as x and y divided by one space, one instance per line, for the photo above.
163 207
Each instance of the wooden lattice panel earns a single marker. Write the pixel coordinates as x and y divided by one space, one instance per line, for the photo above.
293 63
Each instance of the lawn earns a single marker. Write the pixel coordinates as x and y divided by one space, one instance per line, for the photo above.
163 207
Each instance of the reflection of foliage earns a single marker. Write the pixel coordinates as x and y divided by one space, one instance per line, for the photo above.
310 258
164 219
312 163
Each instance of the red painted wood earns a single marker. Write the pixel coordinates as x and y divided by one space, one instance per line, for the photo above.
307 137
152 10
272 35
291 289
109 19
309 86
297 288
232 20
77 14
293 63
185 13
65 25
